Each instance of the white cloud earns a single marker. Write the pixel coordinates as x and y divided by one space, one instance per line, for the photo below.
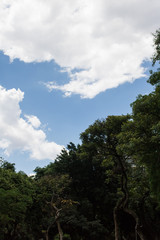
33 120
107 41
16 133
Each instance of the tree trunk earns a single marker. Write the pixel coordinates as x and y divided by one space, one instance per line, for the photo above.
138 228
56 219
47 232
46 235
123 206
59 230
116 227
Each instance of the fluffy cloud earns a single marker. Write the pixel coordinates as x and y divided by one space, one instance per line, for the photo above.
16 133
101 44
35 122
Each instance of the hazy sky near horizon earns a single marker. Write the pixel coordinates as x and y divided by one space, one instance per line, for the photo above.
63 65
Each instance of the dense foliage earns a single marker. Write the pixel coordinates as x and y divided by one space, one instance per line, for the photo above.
105 188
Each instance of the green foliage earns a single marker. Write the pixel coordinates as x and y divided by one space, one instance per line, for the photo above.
140 138
156 56
16 197
6 165
65 237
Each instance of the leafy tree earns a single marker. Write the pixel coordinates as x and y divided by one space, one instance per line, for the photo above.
141 135
53 197
16 197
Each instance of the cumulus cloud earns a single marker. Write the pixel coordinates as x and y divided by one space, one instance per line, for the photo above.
17 133
33 120
101 44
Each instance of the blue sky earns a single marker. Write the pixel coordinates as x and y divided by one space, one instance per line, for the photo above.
68 76
62 118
